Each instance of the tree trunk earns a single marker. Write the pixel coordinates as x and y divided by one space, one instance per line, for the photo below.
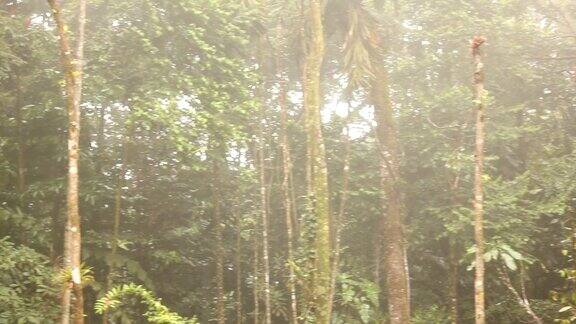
571 217
238 261
453 281
256 290
117 217
453 246
218 237
478 190
317 171
55 230
340 217
21 182
72 64
264 218
100 138
286 193
377 243
393 235
521 299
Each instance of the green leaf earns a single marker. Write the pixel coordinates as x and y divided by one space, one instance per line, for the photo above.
509 261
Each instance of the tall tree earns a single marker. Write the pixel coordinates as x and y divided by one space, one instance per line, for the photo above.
479 301
238 265
393 228
117 217
339 218
318 194
286 192
72 62
363 61
218 223
264 209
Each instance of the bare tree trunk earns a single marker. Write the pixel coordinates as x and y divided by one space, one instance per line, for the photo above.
521 299
117 216
218 237
55 228
393 235
479 302
238 261
73 66
256 236
453 281
317 170
340 217
379 229
295 221
264 219
21 182
570 214
256 287
287 170
453 246
100 138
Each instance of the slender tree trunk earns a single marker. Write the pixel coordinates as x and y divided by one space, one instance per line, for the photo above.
570 214
378 259
317 171
453 246
238 261
20 138
393 235
256 236
264 218
453 281
72 64
295 222
74 156
100 138
521 299
219 239
287 170
479 301
55 228
117 216
21 181
256 287
340 217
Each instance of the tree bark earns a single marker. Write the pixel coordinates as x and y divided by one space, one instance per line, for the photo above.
256 290
479 302
117 216
73 67
317 171
100 138
264 220
453 281
393 235
239 314
340 217
521 299
453 246
21 146
219 239
286 193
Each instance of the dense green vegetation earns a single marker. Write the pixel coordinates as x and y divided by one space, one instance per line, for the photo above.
288 161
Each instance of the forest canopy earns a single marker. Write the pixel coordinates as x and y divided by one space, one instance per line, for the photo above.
296 161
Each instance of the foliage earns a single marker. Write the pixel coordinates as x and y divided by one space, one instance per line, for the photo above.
27 292
155 311
166 80
433 314
358 299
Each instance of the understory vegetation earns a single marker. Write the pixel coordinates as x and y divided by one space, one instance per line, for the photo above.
264 161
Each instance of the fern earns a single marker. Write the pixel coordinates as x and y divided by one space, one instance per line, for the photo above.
156 313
